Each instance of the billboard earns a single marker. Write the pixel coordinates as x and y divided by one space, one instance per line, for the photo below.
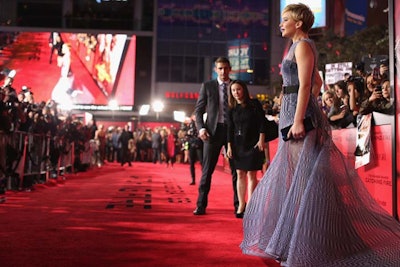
239 54
77 69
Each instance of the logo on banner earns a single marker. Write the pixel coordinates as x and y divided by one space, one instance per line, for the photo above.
363 148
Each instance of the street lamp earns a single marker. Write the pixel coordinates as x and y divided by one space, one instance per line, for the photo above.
158 106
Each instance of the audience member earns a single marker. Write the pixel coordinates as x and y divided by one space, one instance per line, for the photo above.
355 87
359 69
132 149
276 108
116 145
124 138
379 100
328 101
100 138
195 148
109 144
370 85
135 149
340 116
156 145
182 147
170 147
341 92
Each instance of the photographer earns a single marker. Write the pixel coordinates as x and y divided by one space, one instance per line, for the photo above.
12 109
195 148
5 121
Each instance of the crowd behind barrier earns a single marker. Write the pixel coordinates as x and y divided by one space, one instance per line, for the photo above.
27 159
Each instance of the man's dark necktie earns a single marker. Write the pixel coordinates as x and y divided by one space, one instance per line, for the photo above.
225 91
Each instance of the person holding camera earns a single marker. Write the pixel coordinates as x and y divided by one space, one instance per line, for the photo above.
379 100
355 87
195 148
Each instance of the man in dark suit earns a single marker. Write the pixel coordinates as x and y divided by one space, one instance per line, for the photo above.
213 130
124 138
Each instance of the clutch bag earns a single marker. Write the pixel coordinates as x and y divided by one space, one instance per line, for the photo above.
307 125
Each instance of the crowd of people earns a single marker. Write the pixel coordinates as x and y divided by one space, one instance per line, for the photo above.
21 114
162 144
357 95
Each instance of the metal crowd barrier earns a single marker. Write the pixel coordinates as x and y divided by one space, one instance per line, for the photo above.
26 159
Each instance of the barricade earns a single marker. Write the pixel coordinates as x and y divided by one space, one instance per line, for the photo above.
66 158
27 159
86 156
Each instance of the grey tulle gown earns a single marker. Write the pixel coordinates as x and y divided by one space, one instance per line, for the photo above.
311 208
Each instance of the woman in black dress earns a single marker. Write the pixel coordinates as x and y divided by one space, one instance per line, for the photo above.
246 139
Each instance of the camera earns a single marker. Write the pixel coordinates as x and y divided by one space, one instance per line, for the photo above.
384 61
343 108
378 88
375 74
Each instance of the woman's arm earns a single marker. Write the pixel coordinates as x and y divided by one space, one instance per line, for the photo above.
305 64
316 89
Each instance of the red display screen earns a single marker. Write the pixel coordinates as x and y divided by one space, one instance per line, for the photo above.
83 69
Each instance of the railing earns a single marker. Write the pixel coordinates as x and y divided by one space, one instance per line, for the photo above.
27 159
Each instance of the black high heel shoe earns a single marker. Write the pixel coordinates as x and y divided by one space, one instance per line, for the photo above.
241 214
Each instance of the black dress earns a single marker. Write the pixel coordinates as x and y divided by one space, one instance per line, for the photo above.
245 123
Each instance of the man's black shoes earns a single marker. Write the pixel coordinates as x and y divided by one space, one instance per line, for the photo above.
199 211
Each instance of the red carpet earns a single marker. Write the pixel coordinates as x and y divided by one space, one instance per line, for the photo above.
122 216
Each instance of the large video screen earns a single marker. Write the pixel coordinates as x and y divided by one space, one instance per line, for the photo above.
318 7
74 69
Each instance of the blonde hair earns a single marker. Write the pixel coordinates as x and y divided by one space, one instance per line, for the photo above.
301 12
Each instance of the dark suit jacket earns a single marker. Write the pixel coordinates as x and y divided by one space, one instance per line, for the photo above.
208 102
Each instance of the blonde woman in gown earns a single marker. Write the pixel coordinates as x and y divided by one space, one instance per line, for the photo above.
311 208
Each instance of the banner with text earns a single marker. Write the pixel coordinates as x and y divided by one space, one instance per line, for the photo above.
239 54
335 71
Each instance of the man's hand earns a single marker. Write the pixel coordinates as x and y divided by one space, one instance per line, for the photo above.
203 134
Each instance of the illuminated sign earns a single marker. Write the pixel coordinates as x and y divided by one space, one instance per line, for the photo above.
181 95
93 69
239 55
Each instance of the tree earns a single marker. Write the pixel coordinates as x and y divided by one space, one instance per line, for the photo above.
368 42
